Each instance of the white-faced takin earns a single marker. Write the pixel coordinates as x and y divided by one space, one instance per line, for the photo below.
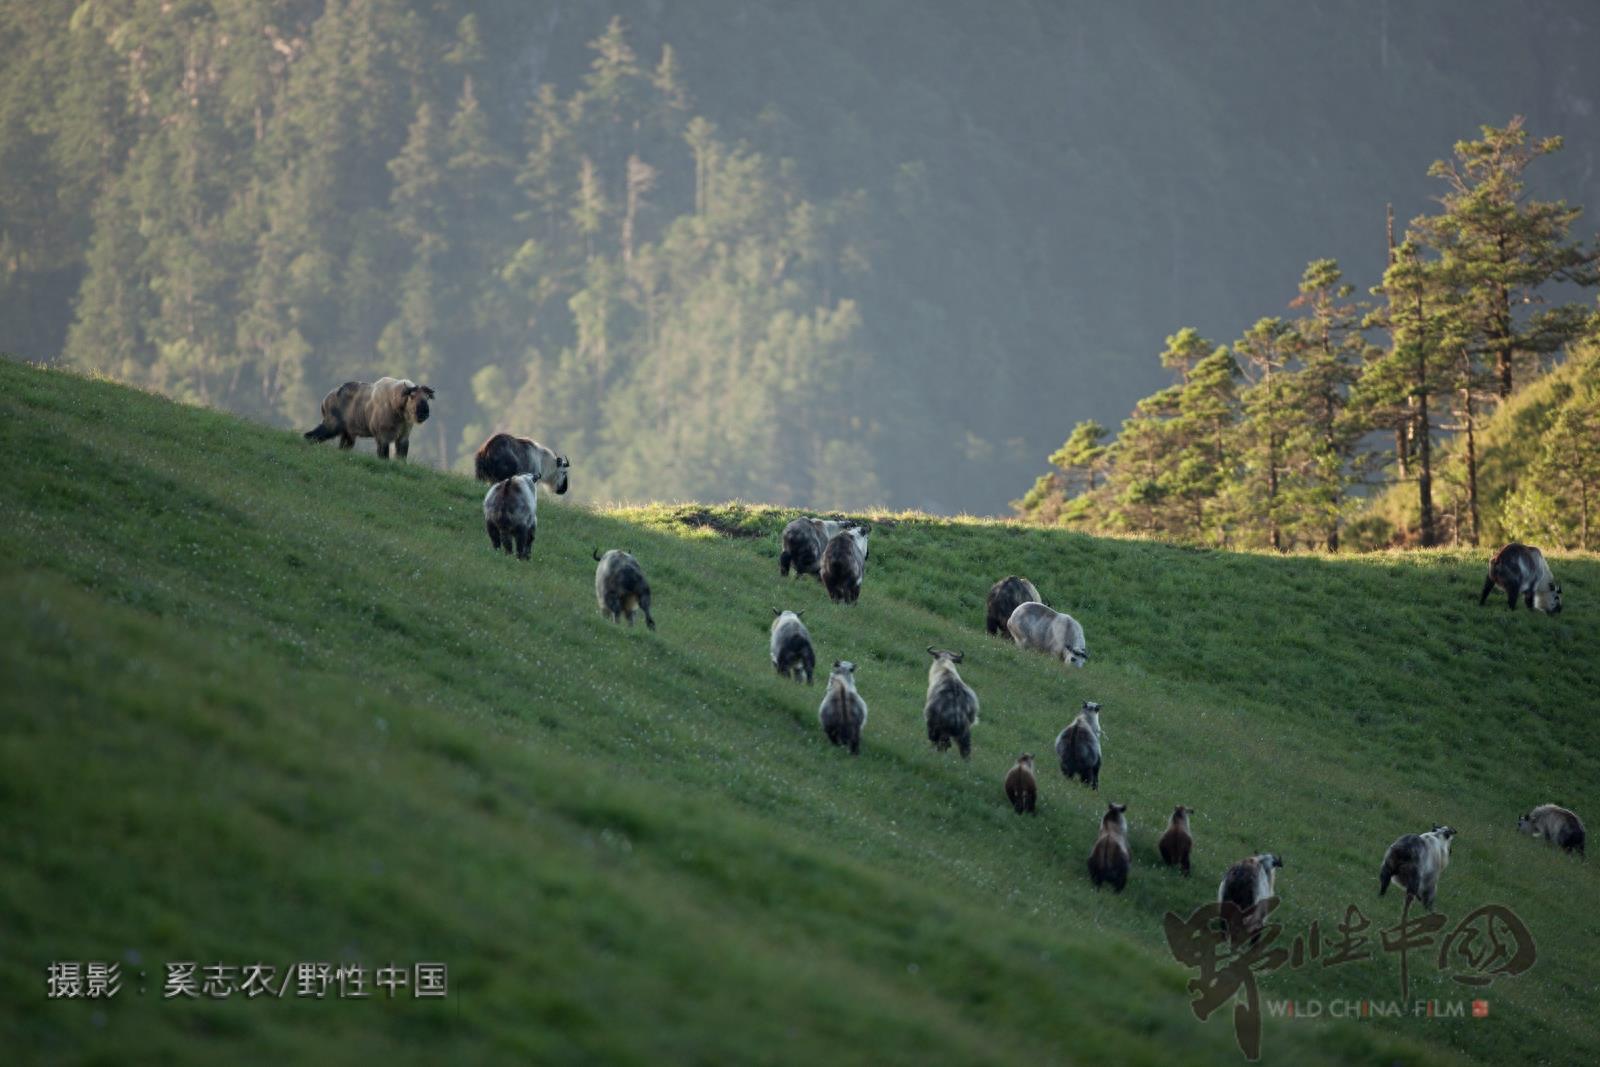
844 563
1416 861
385 410
503 456
802 543
1110 860
511 514
1004 598
1522 572
1556 825
952 706
1049 631
843 713
620 587
1177 844
1022 788
1248 886
1078 746
792 654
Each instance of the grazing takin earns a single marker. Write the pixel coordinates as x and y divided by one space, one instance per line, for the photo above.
503 456
952 706
1176 844
1110 860
1416 861
620 587
1022 788
1051 632
1004 597
386 411
843 713
1522 572
511 513
1249 885
803 542
792 654
1556 825
844 561
1078 746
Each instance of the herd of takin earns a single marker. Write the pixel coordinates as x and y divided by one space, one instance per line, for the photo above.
835 552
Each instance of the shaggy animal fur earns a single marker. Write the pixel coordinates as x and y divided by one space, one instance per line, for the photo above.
1078 746
1051 632
1110 861
952 706
844 563
503 456
843 713
1022 788
1004 598
802 544
1176 844
1556 825
1522 572
511 514
1416 861
792 654
1249 885
386 411
620 587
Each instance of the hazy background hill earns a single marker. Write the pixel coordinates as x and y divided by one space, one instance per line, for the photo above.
908 246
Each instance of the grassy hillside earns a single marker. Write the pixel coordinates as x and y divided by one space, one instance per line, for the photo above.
271 702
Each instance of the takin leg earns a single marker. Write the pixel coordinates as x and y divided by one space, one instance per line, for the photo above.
383 449
401 447
965 742
1511 598
346 441
524 544
494 535
1093 777
1488 587
644 605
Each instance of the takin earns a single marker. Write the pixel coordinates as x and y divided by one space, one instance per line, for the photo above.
1051 632
511 514
1522 572
1110 859
844 562
843 713
952 706
1416 861
792 654
1022 788
1004 598
803 541
503 456
1177 843
1249 885
620 587
1078 746
386 411
1556 825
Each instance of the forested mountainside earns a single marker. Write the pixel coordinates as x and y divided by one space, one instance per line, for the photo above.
826 253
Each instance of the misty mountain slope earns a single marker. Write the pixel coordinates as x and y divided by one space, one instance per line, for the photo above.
975 223
272 702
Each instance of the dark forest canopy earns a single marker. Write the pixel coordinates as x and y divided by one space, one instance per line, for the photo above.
831 254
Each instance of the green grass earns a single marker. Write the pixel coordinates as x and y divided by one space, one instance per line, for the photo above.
266 701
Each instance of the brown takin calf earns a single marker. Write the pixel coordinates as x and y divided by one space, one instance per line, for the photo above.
1176 844
385 410
1556 825
1110 861
1022 786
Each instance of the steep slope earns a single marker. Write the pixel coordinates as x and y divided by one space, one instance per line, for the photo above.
270 702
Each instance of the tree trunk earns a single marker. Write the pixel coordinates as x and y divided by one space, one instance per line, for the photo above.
1425 474
1472 466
